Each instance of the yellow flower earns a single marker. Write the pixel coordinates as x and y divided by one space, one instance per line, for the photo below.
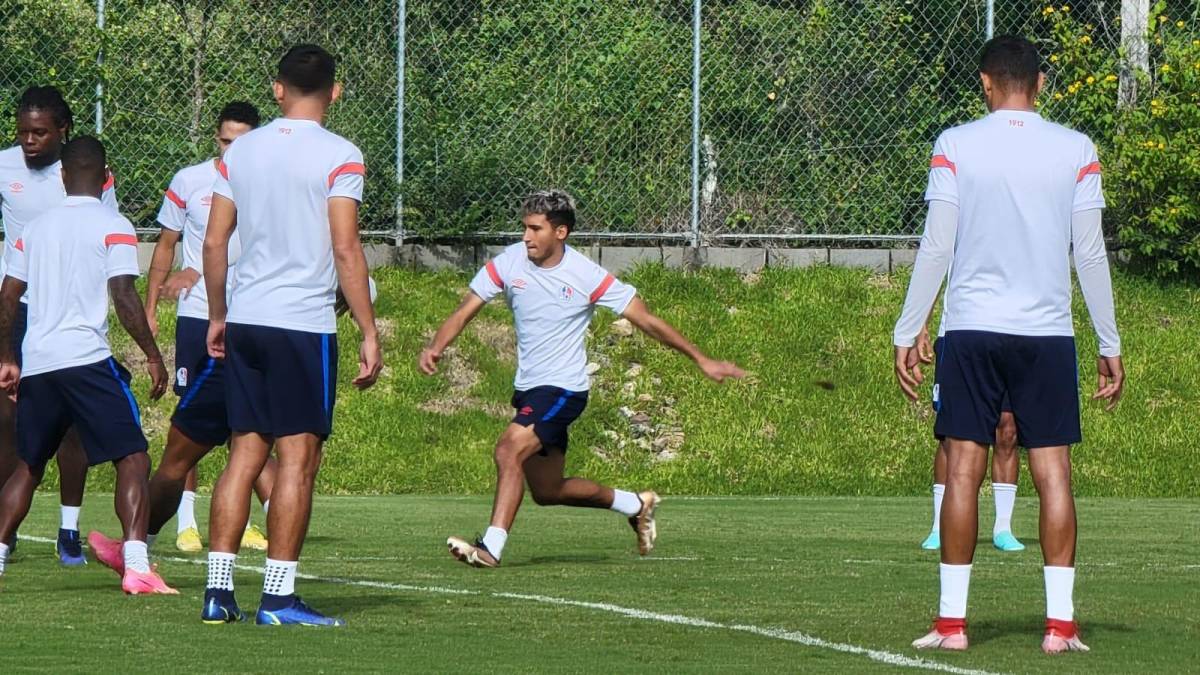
1162 18
1048 11
1180 24
771 96
1166 68
1162 146
1196 43
1066 8
1054 58
1058 96
1175 210
1074 87
1110 78
1085 40
1091 80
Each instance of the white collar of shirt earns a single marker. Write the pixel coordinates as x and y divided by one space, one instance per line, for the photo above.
75 200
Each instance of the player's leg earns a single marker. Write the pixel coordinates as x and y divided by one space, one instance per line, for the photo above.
1051 471
187 531
934 541
72 477
16 496
227 520
172 489
1006 462
9 457
253 537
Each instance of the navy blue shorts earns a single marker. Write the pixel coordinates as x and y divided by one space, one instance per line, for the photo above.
551 411
1040 376
200 385
95 399
1005 404
280 382
20 324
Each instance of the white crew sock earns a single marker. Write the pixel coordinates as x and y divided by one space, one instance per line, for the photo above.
185 516
1060 587
3 556
1006 497
137 556
279 577
266 505
626 503
220 570
939 491
70 517
494 540
956 581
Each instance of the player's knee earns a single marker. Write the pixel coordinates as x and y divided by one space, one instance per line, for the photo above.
1006 435
507 455
136 465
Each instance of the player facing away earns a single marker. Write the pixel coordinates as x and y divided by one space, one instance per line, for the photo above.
1010 197
553 291
292 189
1006 463
30 185
200 421
66 259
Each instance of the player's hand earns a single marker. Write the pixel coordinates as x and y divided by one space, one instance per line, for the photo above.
1111 381
158 379
719 371
924 347
370 362
428 360
152 321
180 283
10 375
908 371
216 338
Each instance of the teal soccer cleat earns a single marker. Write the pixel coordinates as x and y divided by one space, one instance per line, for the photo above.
933 542
1005 541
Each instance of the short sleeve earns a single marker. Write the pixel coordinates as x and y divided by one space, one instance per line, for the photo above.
488 283
221 184
943 173
1089 193
173 212
121 251
108 196
14 260
612 293
348 174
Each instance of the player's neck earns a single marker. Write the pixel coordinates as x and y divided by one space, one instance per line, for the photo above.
311 110
552 260
1015 104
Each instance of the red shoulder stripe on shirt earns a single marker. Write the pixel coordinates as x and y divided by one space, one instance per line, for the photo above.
176 199
20 245
347 168
943 162
110 181
1093 168
114 239
602 289
222 169
491 270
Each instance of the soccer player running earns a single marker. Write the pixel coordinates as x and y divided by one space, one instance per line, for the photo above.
200 422
1006 463
30 185
553 291
292 189
66 259
1010 197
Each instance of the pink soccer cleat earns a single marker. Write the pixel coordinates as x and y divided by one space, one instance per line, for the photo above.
139 583
946 634
1062 636
107 551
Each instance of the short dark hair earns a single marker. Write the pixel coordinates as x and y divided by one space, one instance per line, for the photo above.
48 99
307 68
1012 62
556 205
239 111
85 156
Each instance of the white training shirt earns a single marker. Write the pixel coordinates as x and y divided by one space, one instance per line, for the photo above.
280 177
27 193
1016 180
552 308
185 209
66 257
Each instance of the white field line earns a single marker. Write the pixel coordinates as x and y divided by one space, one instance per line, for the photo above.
885 657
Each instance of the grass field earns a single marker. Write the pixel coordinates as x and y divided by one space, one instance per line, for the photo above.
736 585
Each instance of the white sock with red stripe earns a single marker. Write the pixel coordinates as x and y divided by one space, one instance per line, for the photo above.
626 503
956 582
1060 590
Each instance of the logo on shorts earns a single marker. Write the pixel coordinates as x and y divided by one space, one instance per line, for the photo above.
566 293
181 377
526 411
16 186
518 285
937 394
206 200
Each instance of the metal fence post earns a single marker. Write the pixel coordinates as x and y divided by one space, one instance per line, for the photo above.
991 19
696 123
99 67
1135 25
400 42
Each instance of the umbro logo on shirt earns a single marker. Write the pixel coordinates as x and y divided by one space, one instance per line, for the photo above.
518 285
16 187
206 200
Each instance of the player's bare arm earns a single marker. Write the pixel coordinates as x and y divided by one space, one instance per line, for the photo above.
10 295
160 267
450 329
639 315
351 264
131 314
222 219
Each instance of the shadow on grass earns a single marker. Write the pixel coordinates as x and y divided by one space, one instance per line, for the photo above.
1030 542
565 558
986 630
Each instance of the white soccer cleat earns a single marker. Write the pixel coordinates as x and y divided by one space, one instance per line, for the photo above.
475 555
1062 636
643 523
948 634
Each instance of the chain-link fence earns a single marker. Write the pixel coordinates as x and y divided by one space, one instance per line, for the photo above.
812 118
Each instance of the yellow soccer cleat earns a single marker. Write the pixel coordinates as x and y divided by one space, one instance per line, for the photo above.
254 538
188 541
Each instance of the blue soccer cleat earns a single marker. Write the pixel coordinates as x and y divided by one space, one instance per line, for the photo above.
298 614
70 548
219 610
1005 541
933 542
